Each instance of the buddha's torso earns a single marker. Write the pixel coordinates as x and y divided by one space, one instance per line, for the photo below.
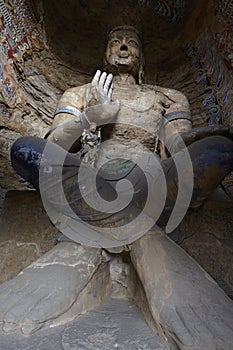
137 127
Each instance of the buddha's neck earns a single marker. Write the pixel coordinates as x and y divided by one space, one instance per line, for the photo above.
124 79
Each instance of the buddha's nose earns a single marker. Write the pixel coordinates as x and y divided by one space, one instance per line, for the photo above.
124 47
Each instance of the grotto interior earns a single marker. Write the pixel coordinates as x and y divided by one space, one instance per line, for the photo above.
47 47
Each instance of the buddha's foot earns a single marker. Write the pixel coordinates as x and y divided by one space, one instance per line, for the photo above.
188 307
48 288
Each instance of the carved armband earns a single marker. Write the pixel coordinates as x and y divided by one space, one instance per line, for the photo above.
177 115
81 116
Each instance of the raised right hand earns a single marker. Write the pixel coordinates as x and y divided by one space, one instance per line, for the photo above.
100 109
101 89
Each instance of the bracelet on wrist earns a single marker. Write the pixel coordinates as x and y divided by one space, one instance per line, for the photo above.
81 116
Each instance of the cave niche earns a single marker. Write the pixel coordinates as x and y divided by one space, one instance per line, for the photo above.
49 46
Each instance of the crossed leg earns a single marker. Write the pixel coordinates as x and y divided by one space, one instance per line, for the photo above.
36 295
187 306
211 160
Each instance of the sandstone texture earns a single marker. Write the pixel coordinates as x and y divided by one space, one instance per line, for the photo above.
25 232
211 241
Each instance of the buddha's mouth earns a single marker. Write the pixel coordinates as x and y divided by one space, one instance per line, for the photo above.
123 54
123 61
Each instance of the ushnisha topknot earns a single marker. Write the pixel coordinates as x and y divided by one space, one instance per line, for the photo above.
126 27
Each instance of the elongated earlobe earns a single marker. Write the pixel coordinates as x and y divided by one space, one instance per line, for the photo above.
140 75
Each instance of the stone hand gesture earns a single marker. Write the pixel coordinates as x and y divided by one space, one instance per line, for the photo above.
100 109
101 88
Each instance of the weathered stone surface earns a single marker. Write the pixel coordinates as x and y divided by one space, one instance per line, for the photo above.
58 75
25 232
41 90
2 196
116 325
65 283
15 256
9 180
187 306
207 236
48 288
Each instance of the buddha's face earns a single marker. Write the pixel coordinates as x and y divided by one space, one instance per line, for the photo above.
124 51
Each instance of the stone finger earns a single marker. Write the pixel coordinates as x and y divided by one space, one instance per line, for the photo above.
110 92
95 80
102 80
108 83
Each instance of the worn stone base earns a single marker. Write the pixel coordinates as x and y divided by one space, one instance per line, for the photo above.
116 325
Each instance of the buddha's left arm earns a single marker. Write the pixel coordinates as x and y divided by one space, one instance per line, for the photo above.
177 118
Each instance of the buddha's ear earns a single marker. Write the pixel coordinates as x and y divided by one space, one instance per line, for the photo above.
140 76
141 71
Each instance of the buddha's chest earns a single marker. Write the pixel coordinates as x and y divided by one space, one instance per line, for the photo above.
140 116
137 99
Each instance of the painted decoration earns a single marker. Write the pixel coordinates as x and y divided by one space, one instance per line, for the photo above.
224 10
10 89
18 32
224 43
173 9
215 76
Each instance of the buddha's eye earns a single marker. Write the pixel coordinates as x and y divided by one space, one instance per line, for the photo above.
133 43
115 42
